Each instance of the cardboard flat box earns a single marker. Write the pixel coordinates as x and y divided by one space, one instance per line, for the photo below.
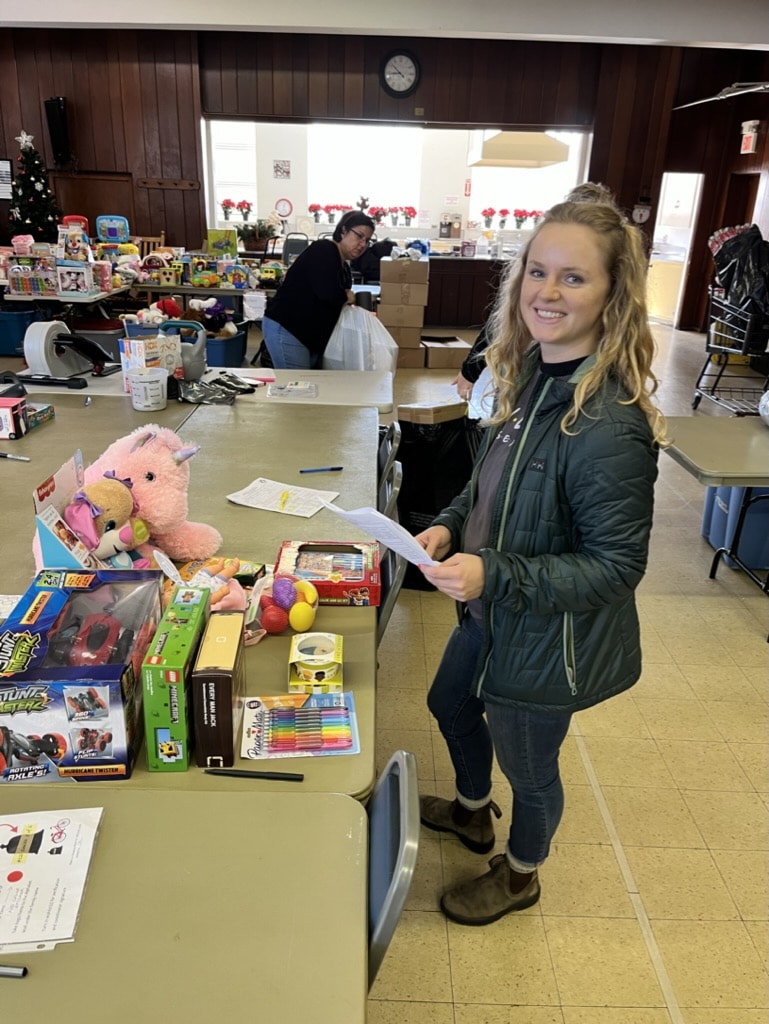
401 316
442 355
411 358
397 293
406 337
432 412
404 271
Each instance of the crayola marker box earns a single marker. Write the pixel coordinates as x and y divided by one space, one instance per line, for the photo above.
166 680
218 690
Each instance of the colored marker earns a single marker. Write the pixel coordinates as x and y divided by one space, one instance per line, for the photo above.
323 469
16 458
243 773
9 971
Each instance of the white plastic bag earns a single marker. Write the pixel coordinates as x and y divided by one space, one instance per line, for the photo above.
360 342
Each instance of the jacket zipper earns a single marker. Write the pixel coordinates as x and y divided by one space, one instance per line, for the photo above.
506 506
569 661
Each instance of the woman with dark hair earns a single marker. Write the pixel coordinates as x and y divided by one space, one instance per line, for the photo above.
300 317
545 547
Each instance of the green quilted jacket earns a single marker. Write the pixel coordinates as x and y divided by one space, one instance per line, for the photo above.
568 545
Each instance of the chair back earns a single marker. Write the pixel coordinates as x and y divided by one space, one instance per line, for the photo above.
392 568
149 243
294 243
393 813
389 442
389 489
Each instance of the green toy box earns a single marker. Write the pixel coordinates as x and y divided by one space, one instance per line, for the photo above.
166 676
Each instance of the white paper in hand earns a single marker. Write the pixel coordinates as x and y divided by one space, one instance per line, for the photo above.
387 532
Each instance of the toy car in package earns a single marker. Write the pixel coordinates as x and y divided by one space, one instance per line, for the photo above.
70 674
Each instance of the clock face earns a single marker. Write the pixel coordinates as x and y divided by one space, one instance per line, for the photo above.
400 73
284 207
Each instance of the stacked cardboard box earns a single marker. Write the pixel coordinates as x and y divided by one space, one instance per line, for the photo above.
403 297
443 353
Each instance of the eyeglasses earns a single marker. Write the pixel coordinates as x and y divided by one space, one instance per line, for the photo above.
361 238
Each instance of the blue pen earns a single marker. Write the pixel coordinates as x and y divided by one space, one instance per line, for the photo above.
323 469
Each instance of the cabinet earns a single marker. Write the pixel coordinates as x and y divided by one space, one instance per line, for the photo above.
462 290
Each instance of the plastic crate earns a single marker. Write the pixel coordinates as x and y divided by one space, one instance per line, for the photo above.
228 351
13 327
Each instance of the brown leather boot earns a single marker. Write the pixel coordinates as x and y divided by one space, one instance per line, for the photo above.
473 828
489 897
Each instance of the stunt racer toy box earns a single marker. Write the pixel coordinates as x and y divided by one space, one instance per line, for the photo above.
70 674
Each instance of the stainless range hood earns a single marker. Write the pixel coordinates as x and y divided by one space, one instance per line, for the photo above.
515 149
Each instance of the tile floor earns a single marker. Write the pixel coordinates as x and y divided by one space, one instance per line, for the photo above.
654 901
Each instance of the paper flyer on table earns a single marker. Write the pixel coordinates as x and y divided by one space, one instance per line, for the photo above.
46 856
273 496
386 531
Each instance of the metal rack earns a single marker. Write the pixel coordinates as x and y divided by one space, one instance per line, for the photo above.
732 332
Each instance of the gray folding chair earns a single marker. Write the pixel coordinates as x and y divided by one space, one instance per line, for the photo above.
294 243
393 814
389 488
389 442
392 567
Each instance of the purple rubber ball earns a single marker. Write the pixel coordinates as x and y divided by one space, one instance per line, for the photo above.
284 592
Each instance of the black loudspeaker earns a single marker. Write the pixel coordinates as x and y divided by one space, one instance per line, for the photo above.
56 115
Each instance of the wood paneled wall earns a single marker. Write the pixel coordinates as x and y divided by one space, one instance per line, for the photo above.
135 100
133 107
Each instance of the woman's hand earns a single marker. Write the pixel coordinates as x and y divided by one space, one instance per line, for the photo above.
460 577
436 540
350 296
463 386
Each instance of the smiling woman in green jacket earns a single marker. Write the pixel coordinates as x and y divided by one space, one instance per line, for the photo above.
544 548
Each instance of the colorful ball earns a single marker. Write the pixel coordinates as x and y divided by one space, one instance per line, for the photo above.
284 592
274 619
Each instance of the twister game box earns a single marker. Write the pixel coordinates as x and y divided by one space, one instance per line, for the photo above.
71 652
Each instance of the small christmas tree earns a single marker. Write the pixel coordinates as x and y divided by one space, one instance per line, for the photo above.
33 207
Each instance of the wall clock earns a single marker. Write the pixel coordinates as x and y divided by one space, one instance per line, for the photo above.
284 208
400 73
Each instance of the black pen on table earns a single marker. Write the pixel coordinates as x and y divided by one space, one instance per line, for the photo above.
9 971
323 469
244 773
16 458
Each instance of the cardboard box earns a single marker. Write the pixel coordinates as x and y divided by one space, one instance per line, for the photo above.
342 573
401 316
166 675
315 663
411 358
432 412
70 675
406 337
404 271
39 413
161 350
219 689
440 355
14 418
403 294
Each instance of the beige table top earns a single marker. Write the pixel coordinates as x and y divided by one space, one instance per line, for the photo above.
721 450
353 388
208 907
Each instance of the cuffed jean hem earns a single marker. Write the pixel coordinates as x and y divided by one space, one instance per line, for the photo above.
519 865
473 805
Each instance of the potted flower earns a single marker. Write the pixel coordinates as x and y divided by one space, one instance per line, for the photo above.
330 211
394 211
376 213
503 215
227 205
487 214
535 215
315 209
254 236
409 212
245 209
521 217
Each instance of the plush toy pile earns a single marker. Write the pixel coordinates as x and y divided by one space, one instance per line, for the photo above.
213 315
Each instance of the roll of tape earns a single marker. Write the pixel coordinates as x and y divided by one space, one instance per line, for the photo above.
315 657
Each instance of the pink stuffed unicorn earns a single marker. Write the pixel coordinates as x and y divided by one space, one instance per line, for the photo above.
155 459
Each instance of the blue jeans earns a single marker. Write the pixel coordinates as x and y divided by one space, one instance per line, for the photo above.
286 351
526 743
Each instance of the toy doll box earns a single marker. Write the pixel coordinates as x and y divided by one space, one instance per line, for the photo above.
70 675
166 675
342 573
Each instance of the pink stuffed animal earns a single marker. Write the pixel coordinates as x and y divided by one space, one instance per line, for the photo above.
156 461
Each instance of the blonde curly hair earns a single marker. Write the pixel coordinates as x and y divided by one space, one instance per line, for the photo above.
626 345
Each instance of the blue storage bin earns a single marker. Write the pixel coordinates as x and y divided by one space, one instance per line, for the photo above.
228 351
13 327
139 330
722 510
